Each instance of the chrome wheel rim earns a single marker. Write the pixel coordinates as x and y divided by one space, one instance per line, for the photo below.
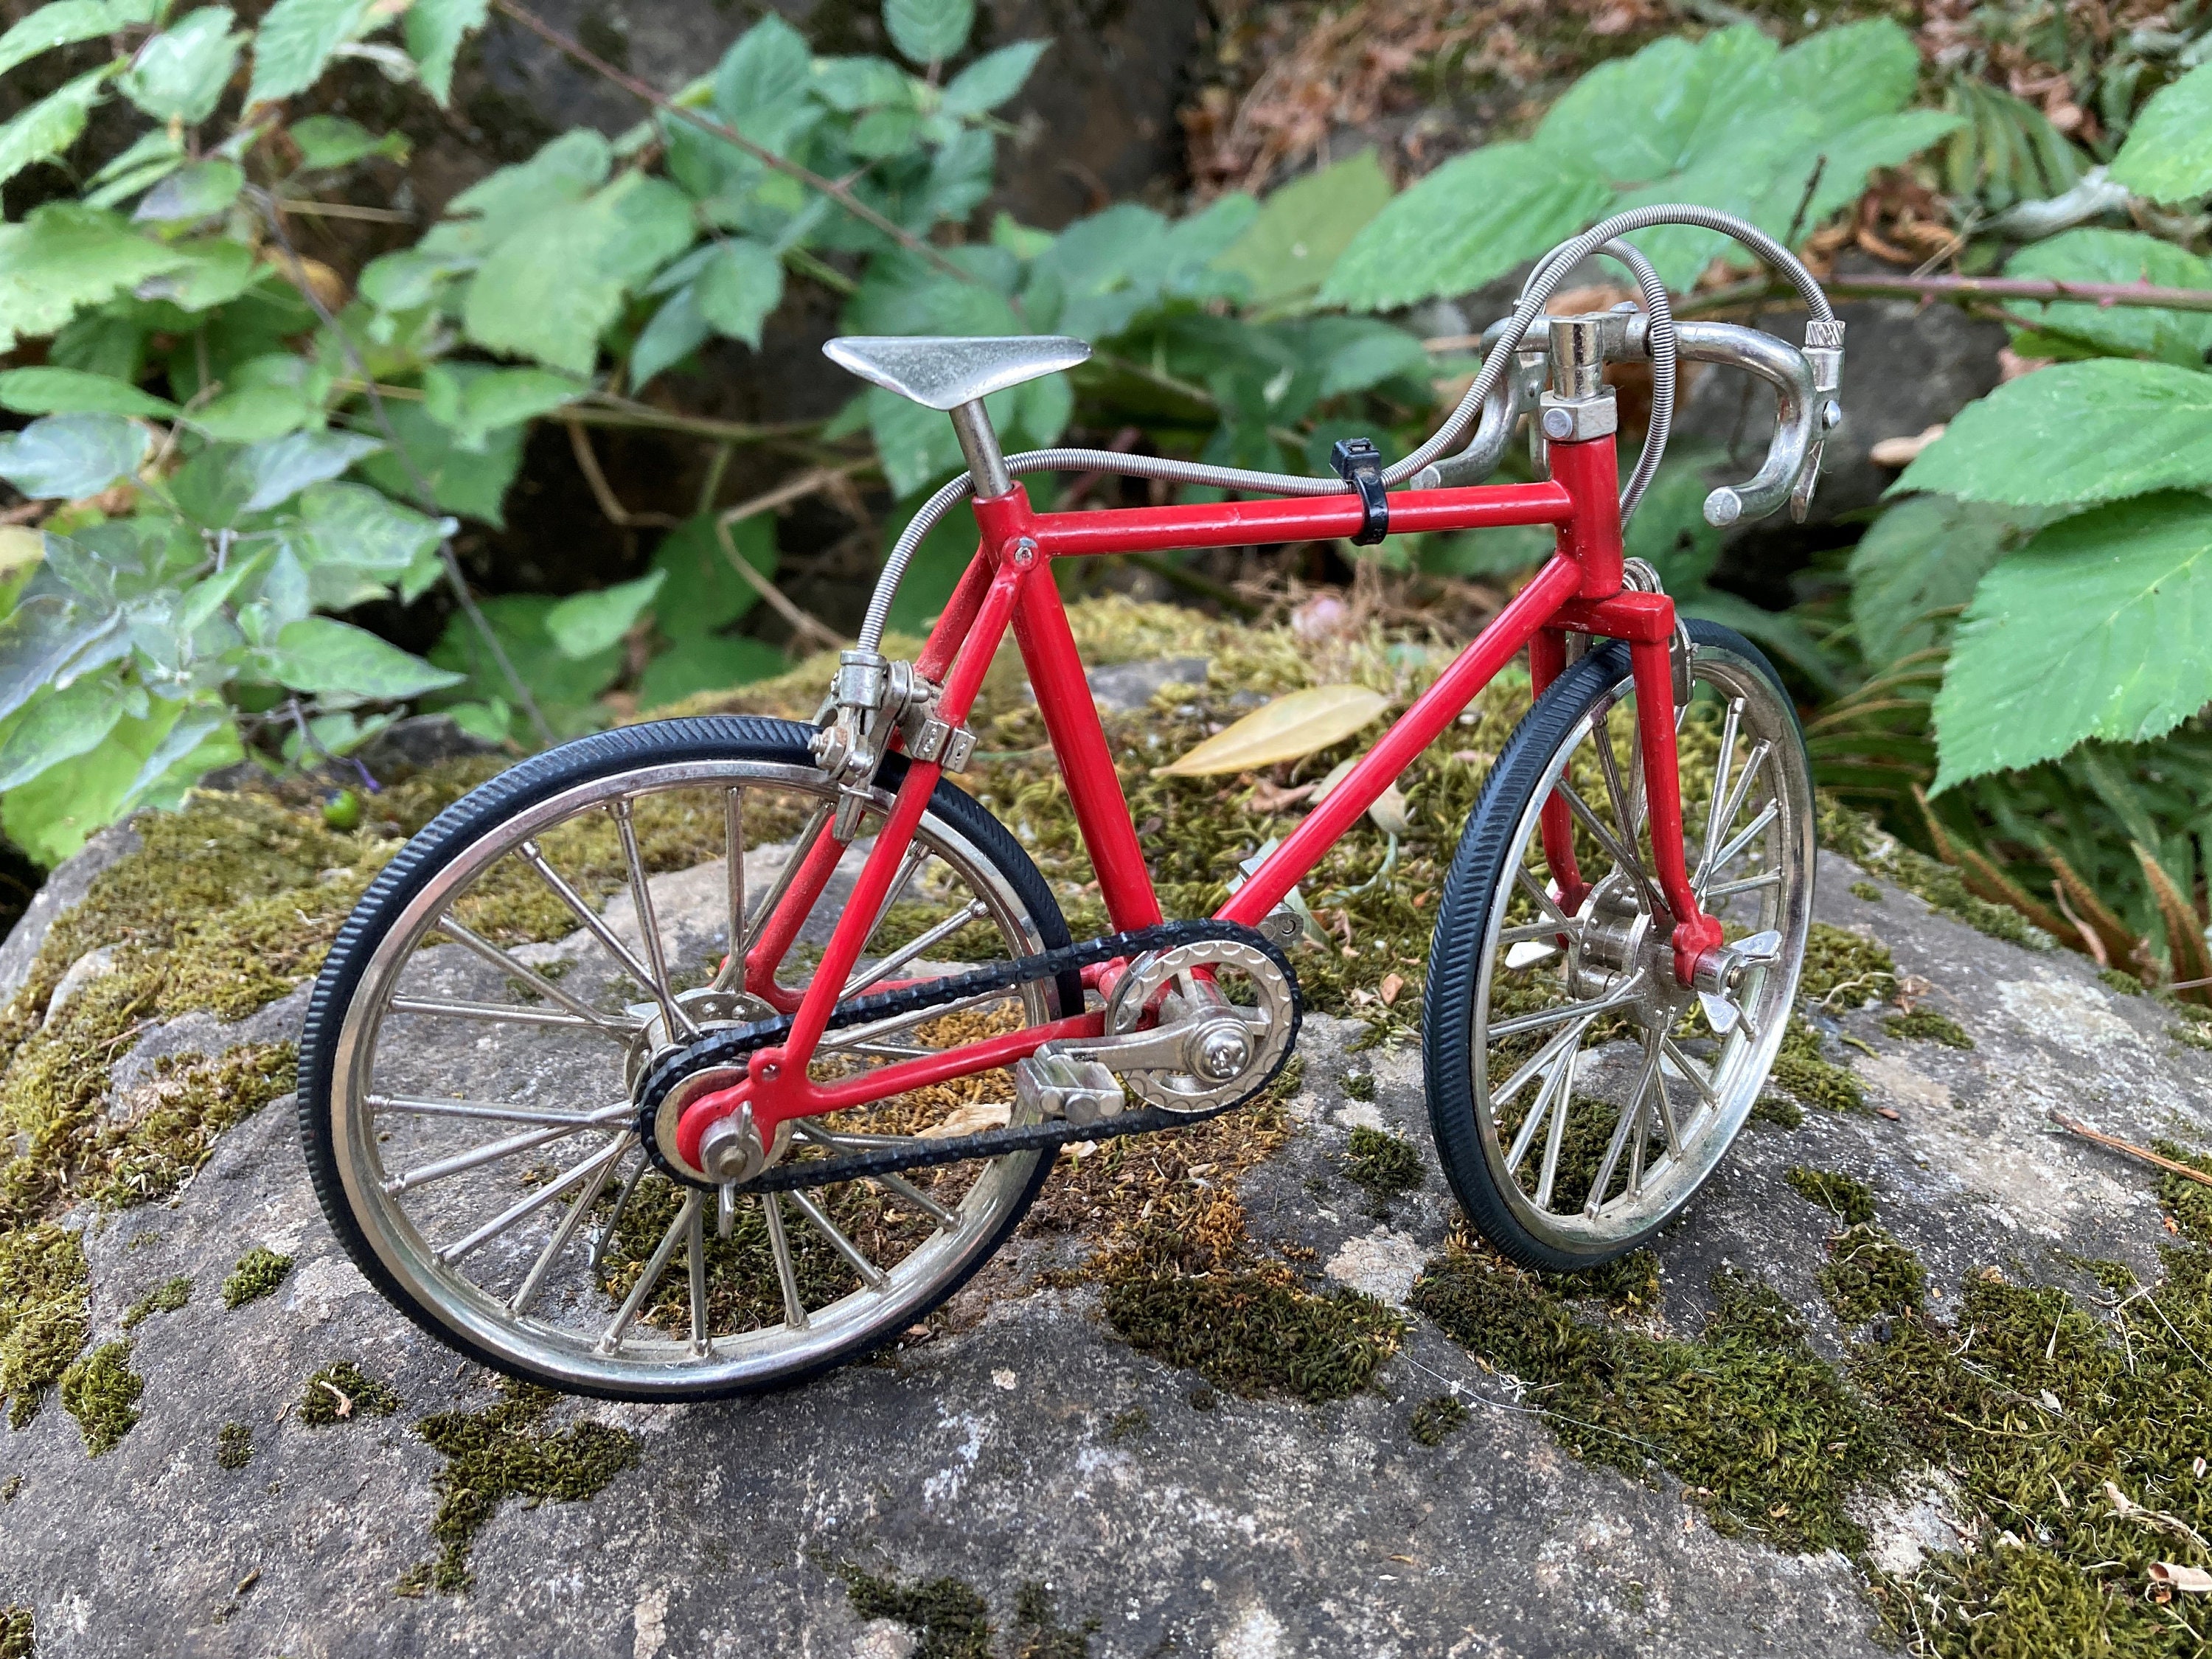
1604 1095
529 1223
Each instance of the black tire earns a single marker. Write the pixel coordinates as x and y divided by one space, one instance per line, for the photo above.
539 780
1494 833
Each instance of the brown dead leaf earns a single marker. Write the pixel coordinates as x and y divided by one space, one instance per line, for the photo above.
2173 1576
1391 985
1889 1112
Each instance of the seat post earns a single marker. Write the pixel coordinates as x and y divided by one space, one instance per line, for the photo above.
986 466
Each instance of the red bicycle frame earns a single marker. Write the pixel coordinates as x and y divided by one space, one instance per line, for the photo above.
1010 584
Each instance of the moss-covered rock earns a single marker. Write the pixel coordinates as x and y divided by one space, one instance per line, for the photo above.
258 1271
101 1392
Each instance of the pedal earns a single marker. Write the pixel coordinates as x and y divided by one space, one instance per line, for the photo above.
1081 1092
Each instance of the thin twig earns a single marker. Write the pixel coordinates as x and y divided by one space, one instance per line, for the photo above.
587 463
2131 1150
343 210
803 623
830 187
424 496
1878 283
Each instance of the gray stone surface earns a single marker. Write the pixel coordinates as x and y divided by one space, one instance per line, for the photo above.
990 1453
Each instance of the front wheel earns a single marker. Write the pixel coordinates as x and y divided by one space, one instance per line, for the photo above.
1579 1093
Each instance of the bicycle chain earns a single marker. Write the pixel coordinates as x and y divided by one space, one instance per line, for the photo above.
731 1044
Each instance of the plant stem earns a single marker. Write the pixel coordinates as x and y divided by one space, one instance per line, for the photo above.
768 158
1880 285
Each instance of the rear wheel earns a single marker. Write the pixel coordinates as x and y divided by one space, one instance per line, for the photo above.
476 1044
1579 1093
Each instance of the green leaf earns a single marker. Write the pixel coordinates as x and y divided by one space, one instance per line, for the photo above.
50 125
203 738
360 528
916 446
473 402
739 287
331 141
192 191
2091 255
551 289
703 593
461 480
1781 634
51 816
67 456
2078 635
2168 153
993 78
334 659
934 571
43 636
59 726
2075 432
62 258
1304 227
296 40
179 74
568 169
1926 554
705 662
253 414
72 392
283 467
760 85
63 23
1472 219
565 688
854 84
929 31
213 271
675 332
435 31
584 624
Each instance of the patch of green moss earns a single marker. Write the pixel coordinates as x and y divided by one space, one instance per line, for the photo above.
1248 1329
1360 1085
101 1392
173 1120
258 1271
1762 1434
1925 1025
1857 837
46 1310
10 1488
2126 984
2191 1036
342 1393
1626 1284
1867 890
1778 1110
165 1298
1800 1067
1384 1163
1844 969
1437 1419
2189 1202
1129 1424
1850 1201
1869 1273
233 1446
948 1616
17 1631
1038 1633
505 1451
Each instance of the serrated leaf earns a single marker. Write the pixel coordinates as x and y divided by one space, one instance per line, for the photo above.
2094 255
676 331
213 272
853 84
282 467
760 85
40 637
739 287
324 655
179 74
703 593
1302 228
2075 432
567 169
62 23
1924 555
707 662
73 391
192 191
473 402
50 125
992 79
1290 727
62 258
929 31
2168 153
296 40
361 528
435 31
253 415
584 624
549 290
331 141
461 480
2081 634
59 726
67 456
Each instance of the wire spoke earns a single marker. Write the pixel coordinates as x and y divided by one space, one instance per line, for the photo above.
452 1008
605 1234
620 1028
1544 901
1609 765
733 970
498 1111
1540 1062
1619 854
1548 1175
649 926
605 1158
786 1276
733 851
1721 768
490 1153
1744 885
1630 1118
697 1245
1744 837
1546 931
1540 1112
1688 1068
913 948
596 925
871 1275
858 1035
1565 1011
610 1341
1710 864
579 1207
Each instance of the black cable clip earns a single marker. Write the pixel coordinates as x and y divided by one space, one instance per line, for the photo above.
1359 463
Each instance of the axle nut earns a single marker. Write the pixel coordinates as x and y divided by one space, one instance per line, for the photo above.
1222 1053
730 1149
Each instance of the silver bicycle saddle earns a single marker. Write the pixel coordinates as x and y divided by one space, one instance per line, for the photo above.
945 371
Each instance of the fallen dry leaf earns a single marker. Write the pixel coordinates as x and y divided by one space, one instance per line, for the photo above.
2190 1581
1889 1112
1901 452
1289 728
969 1120
1391 985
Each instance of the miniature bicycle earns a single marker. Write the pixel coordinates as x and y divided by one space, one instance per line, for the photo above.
526 1102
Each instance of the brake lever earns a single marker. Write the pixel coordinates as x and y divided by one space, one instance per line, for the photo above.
1804 411
1824 353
